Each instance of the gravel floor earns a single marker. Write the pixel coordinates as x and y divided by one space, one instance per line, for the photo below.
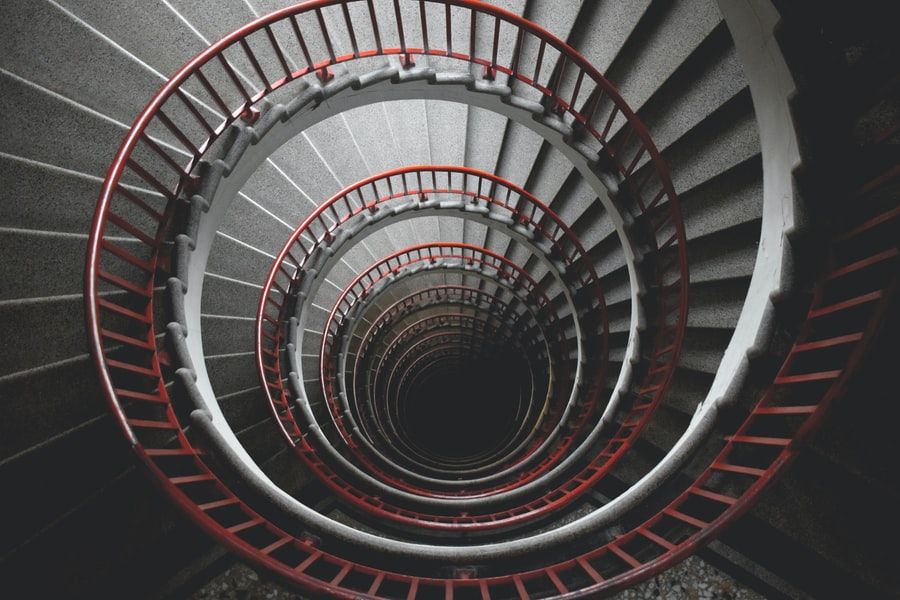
691 580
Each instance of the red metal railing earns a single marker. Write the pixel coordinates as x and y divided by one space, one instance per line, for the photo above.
190 113
530 341
426 346
483 189
281 398
524 324
527 210
193 111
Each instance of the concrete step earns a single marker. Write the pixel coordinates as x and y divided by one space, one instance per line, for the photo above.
228 335
724 139
222 296
663 38
52 400
49 49
55 270
73 468
234 259
47 331
232 373
707 79
34 118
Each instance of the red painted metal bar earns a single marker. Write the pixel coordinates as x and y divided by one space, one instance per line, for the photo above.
411 344
144 317
425 300
445 294
572 252
366 281
648 396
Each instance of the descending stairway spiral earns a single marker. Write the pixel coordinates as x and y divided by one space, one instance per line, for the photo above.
466 398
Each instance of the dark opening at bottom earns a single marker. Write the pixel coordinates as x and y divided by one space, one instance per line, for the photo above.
465 408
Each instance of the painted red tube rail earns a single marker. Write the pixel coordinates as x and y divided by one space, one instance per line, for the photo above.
134 385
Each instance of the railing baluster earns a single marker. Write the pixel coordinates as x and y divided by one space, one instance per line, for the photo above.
229 70
577 89
448 29
278 52
325 35
472 21
350 30
168 160
303 48
556 82
255 64
213 93
424 24
609 123
153 181
195 112
635 160
133 198
517 52
375 30
490 73
538 62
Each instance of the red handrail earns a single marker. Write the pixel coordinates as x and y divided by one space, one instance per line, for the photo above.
130 386
280 400
441 294
364 196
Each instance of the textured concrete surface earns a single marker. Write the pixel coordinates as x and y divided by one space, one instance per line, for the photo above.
56 270
51 400
665 36
49 48
707 79
725 138
32 118
32 190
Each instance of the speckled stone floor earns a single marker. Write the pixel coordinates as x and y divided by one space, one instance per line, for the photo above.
691 580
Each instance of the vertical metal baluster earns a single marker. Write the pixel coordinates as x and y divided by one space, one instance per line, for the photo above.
555 83
577 89
255 63
195 112
449 30
233 76
350 30
325 35
517 52
168 160
472 21
424 23
278 52
405 59
296 27
609 123
539 62
178 133
323 74
375 31
491 72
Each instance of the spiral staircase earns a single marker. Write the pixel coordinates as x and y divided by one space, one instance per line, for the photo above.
447 298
